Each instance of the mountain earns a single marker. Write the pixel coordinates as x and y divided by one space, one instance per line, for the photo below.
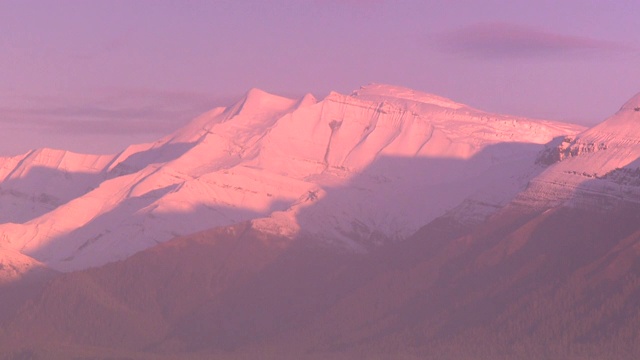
479 245
269 156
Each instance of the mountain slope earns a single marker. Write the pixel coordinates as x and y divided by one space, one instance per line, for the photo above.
527 285
524 284
597 167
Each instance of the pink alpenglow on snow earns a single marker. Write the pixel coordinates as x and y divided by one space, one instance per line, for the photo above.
275 158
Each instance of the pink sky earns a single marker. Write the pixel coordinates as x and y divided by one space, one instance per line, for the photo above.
96 75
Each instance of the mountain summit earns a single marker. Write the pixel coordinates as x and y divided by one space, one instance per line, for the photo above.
623 127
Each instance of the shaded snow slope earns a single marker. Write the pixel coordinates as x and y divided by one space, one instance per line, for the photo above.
355 170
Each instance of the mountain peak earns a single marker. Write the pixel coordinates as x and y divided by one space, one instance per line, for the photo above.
257 93
256 98
623 127
375 91
633 104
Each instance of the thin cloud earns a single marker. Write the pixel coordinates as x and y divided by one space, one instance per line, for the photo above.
349 3
83 126
504 40
355 8
110 127
130 112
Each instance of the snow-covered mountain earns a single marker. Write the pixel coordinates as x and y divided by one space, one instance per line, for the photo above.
526 241
384 161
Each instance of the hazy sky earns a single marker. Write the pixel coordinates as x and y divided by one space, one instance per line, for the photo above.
95 75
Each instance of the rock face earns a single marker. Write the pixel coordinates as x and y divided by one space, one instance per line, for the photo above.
384 161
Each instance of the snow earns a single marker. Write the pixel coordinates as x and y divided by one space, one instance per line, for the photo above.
354 170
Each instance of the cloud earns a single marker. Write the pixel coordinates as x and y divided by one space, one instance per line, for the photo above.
504 40
118 42
352 8
132 112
